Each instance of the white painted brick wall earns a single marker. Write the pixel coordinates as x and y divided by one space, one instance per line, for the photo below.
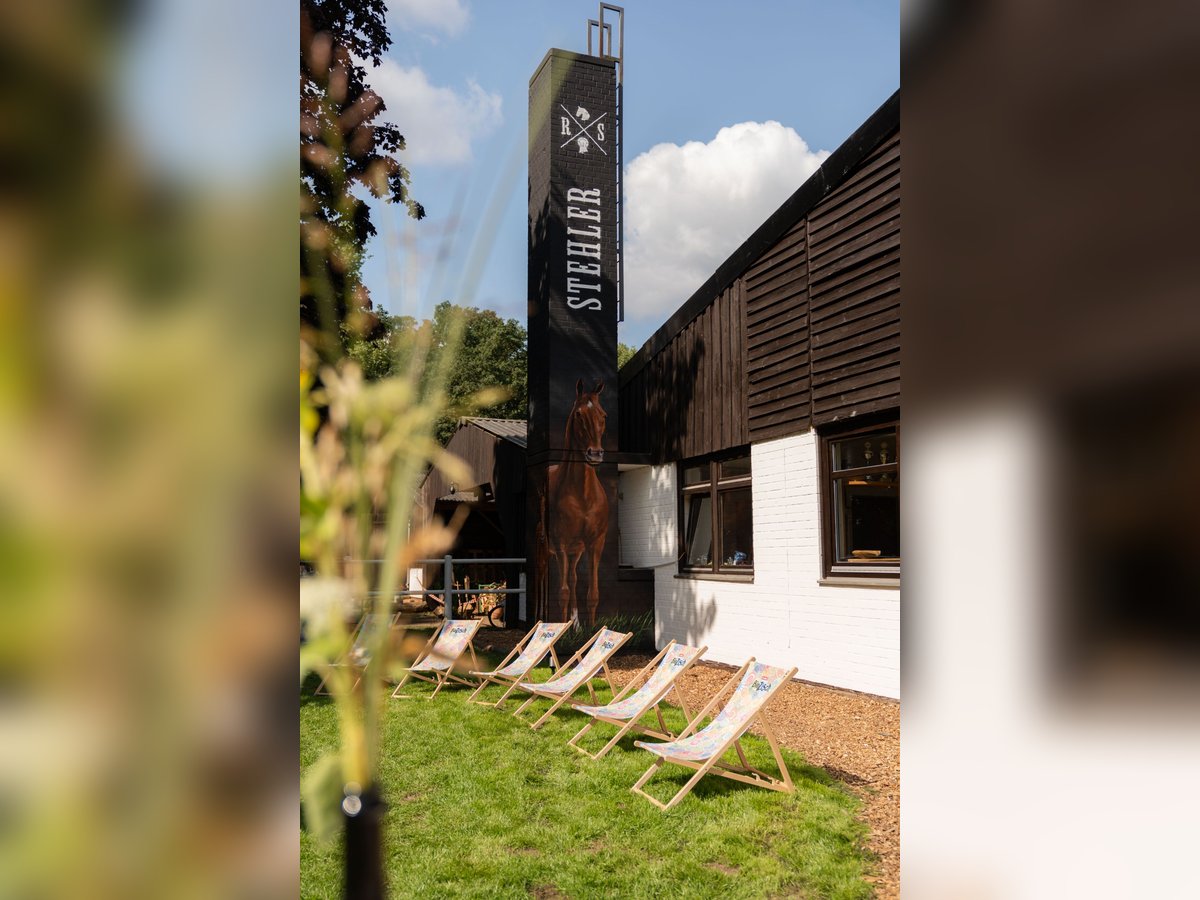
843 636
646 516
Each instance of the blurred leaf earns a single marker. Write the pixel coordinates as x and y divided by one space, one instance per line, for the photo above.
321 792
490 396
318 652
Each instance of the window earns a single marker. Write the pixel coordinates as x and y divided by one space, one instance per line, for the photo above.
861 501
716 515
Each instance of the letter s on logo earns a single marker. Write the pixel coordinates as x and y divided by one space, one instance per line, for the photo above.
592 303
600 132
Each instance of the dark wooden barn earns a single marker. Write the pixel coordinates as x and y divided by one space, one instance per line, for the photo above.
494 496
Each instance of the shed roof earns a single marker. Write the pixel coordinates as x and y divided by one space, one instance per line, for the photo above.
514 430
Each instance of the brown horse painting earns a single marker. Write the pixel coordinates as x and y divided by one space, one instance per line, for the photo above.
578 505
541 561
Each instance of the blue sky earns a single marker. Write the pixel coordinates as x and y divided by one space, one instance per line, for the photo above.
728 108
787 81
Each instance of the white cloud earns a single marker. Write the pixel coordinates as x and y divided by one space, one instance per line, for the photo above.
687 208
439 124
447 16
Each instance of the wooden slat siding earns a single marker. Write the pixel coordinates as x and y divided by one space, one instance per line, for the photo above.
799 327
854 287
740 418
878 282
631 419
776 310
737 356
777 351
476 448
689 400
701 402
731 375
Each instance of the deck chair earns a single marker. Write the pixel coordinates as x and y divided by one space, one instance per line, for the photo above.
529 652
440 654
702 751
568 680
358 654
625 712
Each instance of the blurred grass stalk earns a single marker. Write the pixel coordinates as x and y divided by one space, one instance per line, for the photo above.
147 347
143 509
364 448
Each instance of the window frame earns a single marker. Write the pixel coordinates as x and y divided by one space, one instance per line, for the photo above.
831 567
713 487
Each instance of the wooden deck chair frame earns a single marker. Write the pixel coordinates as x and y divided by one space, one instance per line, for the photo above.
441 677
493 678
561 698
745 772
654 702
347 661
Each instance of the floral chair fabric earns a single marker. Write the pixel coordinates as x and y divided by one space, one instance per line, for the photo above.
746 700
566 682
360 652
532 652
673 662
449 646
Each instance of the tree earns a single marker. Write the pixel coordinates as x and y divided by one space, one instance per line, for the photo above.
624 353
386 351
492 354
342 145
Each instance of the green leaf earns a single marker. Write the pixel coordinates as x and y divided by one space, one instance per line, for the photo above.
312 655
321 791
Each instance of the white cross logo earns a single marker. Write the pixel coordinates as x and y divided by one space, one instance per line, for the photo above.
584 131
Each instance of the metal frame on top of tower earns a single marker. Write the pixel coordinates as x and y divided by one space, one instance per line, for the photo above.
605 47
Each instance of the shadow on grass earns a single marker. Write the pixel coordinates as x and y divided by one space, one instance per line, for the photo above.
670 778
805 841
308 692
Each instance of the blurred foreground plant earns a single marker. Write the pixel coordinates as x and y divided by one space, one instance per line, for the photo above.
366 441
364 447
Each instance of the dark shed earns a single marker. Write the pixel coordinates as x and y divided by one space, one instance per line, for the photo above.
494 451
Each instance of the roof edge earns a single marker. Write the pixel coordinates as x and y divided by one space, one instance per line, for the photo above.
830 176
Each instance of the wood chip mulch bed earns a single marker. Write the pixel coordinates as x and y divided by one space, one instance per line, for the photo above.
853 737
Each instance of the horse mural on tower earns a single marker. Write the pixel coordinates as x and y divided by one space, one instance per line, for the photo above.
578 505
541 561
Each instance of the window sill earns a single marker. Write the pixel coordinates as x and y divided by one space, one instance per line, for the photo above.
859 581
747 578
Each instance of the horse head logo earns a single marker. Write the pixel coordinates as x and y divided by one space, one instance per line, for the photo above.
585 424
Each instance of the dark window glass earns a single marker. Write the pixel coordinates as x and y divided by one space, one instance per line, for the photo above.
861 502
875 449
735 468
717 533
699 530
737 531
867 513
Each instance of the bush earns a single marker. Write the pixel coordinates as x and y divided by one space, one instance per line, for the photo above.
642 641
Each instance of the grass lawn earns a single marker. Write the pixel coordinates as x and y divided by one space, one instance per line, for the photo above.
480 805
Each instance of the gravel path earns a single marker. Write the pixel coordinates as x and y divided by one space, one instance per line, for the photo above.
854 737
